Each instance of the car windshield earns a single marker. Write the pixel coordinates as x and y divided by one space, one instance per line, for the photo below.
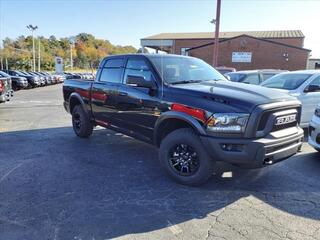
176 70
288 81
236 77
4 74
19 73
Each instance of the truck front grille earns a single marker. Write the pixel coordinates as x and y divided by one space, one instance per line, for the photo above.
267 120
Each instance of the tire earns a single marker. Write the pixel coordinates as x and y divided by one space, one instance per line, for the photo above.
81 123
185 140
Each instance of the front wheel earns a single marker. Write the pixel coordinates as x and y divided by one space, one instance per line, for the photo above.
81 123
184 157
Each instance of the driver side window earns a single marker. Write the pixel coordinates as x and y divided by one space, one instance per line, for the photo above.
252 79
138 67
316 81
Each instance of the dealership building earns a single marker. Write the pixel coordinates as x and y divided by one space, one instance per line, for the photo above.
241 50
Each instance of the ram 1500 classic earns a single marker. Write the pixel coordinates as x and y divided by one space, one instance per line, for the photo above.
189 110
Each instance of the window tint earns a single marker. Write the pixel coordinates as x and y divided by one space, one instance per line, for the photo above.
267 75
252 79
316 81
236 77
112 71
287 81
181 69
138 67
114 63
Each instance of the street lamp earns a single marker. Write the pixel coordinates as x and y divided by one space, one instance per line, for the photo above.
72 42
216 22
32 29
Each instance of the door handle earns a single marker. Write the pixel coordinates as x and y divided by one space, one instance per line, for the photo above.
123 94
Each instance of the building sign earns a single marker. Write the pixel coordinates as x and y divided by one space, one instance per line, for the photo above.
241 56
59 64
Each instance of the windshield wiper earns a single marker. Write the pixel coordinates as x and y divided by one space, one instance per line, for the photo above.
186 81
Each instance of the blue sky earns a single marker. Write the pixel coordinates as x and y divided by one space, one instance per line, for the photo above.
126 21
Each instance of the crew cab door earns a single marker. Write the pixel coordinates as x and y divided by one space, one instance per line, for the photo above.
138 105
309 99
105 91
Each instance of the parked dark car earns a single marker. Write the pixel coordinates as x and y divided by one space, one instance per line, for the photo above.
41 78
6 91
46 80
33 81
255 77
52 77
17 82
189 110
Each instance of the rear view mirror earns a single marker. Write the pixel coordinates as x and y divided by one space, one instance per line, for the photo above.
312 88
140 81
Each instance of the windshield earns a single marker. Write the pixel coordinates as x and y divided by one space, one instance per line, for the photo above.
184 69
236 77
289 81
4 74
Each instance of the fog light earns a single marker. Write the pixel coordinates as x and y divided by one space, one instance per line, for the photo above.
232 147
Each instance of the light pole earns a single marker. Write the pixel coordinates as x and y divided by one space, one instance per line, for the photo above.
32 29
71 41
39 59
216 39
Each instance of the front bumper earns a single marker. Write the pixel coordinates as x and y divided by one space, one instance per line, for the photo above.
255 153
314 132
22 84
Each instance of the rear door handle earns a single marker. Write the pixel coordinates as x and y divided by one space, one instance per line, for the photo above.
123 94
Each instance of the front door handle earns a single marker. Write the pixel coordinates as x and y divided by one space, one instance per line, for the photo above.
123 94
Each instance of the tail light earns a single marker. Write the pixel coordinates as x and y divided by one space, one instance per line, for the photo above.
1 86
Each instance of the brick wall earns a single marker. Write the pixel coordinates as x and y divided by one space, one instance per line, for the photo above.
264 54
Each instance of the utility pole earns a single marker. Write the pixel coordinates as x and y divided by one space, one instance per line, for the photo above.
32 29
7 67
39 59
216 39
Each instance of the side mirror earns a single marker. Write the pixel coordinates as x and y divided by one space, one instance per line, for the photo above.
312 88
140 81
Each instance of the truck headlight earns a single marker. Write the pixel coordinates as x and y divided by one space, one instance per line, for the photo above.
228 122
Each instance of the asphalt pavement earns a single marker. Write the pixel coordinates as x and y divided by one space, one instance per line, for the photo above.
54 185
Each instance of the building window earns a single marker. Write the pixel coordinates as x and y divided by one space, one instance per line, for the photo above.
184 51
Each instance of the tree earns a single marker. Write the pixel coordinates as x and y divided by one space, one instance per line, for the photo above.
87 51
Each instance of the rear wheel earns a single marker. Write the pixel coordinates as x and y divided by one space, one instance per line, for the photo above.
184 157
81 123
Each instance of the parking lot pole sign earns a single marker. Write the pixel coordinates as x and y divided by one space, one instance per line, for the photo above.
58 64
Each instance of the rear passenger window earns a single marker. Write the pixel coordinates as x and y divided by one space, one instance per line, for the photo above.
138 67
112 71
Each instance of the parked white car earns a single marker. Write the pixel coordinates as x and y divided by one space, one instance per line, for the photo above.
314 130
304 84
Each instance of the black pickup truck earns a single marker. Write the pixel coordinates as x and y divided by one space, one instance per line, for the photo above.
189 110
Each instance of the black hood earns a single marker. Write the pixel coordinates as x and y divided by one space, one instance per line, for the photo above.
239 95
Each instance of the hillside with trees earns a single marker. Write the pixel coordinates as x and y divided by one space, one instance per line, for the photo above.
87 51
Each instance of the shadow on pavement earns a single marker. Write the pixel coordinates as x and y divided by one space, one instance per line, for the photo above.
55 184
